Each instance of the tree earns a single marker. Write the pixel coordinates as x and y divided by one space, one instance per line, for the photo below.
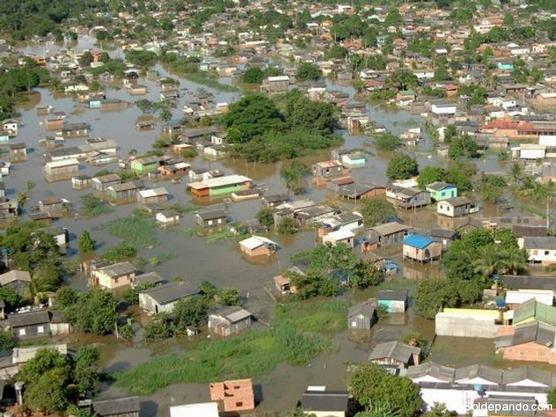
253 75
208 291
85 372
94 311
366 275
552 397
369 382
86 59
491 187
376 211
191 311
429 175
287 226
293 174
7 341
307 71
229 296
402 167
265 216
462 147
387 142
165 115
86 242
45 278
432 295
439 410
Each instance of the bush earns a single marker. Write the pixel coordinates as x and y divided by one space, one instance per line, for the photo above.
287 226
402 167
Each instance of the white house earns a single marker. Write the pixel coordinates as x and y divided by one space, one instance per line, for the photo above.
541 249
443 108
456 207
529 151
344 236
163 298
10 125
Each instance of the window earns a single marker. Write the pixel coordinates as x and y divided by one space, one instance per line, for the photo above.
209 222
547 252
40 329
22 332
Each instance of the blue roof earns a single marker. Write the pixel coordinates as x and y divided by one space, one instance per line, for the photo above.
417 241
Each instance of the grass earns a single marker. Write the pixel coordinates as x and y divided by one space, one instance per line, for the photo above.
292 339
136 231
93 206
205 78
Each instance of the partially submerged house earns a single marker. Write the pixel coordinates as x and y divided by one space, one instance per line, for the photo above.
541 249
163 298
362 316
227 321
258 246
408 197
421 248
219 186
395 355
440 190
393 301
211 218
456 207
319 401
114 276
117 407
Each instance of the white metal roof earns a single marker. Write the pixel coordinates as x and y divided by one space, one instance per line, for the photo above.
341 234
256 241
195 410
62 163
153 192
519 297
220 181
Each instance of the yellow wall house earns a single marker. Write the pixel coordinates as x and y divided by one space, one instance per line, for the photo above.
115 276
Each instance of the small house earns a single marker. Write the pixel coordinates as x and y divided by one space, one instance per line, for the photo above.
81 182
152 196
258 246
75 130
233 396
219 186
117 407
142 166
114 276
37 323
163 298
211 218
209 409
393 301
125 192
421 248
61 170
8 208
342 236
540 249
282 282
456 207
101 183
319 401
357 191
274 200
16 280
145 122
353 160
395 354
408 198
362 316
10 126
229 320
54 205
276 84
18 152
328 169
388 233
166 218
440 190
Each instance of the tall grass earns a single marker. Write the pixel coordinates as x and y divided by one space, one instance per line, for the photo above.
135 231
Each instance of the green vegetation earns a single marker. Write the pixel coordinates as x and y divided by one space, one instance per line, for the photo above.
136 231
121 252
369 382
264 130
402 167
256 75
457 174
287 226
92 311
307 71
293 175
250 354
86 242
376 211
265 216
491 187
462 147
387 141
209 80
93 206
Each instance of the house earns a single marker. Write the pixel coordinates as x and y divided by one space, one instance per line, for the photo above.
163 298
54 205
152 196
388 233
274 200
145 122
101 183
166 218
513 298
258 246
211 218
75 130
441 190
328 169
276 84
282 282
442 108
234 396
421 248
37 323
142 166
540 249
357 191
362 316
18 152
229 320
150 278
61 170
16 280
219 186
395 354
531 342
408 197
467 322
114 276
343 236
195 410
117 407
122 193
393 301
353 160
317 401
456 207
10 126
532 310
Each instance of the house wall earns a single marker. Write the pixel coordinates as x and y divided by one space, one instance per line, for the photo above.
359 322
444 194
431 252
328 413
149 304
464 326
260 251
543 256
393 306
60 328
531 351
28 332
221 326
105 281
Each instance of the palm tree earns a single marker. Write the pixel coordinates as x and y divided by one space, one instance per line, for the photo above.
293 175
513 261
489 263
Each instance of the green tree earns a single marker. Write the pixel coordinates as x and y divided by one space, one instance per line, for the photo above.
7 341
229 296
366 275
265 216
429 175
293 175
86 242
432 295
253 75
551 398
85 373
462 147
376 211
439 410
94 311
307 71
369 382
191 311
287 226
402 167
387 141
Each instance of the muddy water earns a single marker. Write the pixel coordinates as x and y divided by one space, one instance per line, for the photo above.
221 263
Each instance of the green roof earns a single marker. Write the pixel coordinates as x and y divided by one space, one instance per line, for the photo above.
535 310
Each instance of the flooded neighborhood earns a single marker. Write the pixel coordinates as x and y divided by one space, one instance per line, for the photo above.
277 208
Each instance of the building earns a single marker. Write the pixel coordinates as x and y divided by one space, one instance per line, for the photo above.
117 407
342 236
388 233
75 130
514 298
440 190
195 410
408 197
102 183
276 84
16 280
421 248
211 218
328 169
456 207
274 200
114 276
166 218
467 322
541 250
219 186
37 323
362 316
533 310
395 355
317 401
18 152
152 196
229 320
531 342
234 396
122 193
61 170
356 191
163 298
142 166
258 246
393 301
